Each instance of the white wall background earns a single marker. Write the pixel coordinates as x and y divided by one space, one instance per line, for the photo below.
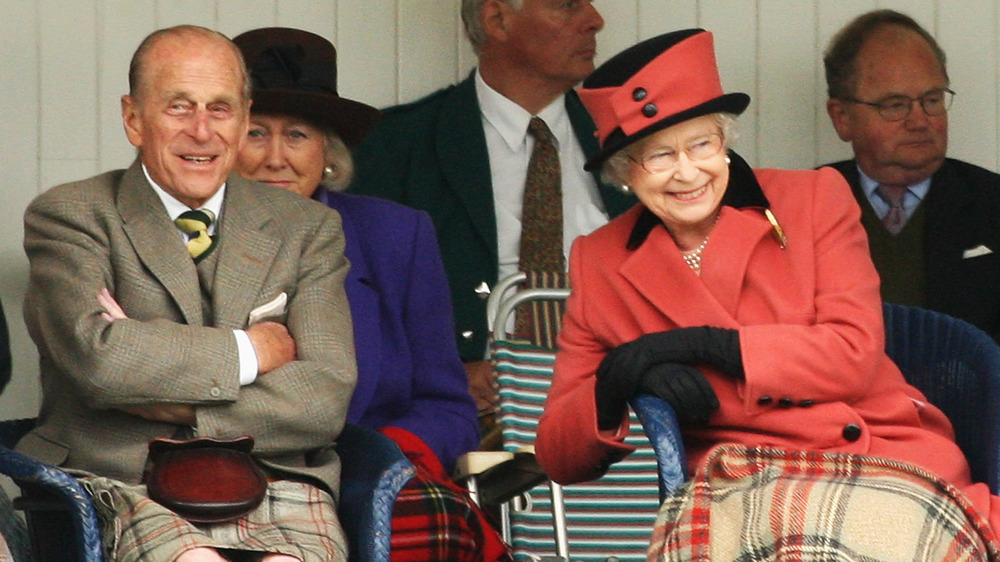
63 66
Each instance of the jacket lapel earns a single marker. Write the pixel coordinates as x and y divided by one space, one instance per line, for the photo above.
146 222
678 294
949 202
248 247
364 299
460 140
713 297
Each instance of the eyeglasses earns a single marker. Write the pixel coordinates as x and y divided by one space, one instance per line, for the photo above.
665 158
897 108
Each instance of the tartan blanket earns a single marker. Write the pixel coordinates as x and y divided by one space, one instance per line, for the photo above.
768 504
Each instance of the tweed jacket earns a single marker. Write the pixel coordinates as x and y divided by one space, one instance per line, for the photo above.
113 231
963 211
431 155
409 373
810 328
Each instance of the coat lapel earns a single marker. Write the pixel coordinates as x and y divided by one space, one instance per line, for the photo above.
949 202
364 299
149 229
460 141
248 246
739 235
712 298
682 296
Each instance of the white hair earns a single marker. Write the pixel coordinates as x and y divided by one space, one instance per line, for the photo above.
615 169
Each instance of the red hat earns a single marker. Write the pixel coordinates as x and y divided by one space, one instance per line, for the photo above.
652 85
294 72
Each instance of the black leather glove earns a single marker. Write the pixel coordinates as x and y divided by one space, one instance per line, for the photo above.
719 347
612 391
684 387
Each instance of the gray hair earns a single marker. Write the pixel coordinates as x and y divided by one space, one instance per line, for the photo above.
472 18
338 158
615 170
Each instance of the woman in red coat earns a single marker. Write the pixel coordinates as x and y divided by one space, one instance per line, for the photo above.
747 300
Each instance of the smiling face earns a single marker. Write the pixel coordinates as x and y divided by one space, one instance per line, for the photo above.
687 196
285 152
895 61
188 117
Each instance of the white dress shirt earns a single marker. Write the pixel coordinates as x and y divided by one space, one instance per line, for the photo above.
509 144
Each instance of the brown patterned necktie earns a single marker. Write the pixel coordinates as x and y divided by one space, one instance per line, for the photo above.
541 213
895 219
541 218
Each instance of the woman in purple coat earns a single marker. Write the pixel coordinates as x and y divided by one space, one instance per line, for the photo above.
411 383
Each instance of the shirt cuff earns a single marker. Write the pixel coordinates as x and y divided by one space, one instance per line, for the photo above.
247 356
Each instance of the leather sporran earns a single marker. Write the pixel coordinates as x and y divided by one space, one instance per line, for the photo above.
205 480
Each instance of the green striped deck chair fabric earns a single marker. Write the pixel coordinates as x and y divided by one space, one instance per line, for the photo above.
612 516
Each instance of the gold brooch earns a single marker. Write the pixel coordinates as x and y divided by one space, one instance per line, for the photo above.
776 229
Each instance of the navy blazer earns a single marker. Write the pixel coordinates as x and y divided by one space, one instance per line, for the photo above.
963 212
431 155
409 372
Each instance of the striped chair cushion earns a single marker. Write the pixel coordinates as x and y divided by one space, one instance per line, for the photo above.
612 516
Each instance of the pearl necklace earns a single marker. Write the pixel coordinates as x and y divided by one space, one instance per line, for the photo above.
693 257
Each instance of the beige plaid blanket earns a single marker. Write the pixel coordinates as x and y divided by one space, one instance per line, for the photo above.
295 518
753 504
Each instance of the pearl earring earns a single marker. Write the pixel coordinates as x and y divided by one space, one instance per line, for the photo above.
327 171
728 160
625 188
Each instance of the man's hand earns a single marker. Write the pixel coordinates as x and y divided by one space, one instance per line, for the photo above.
112 310
166 413
273 345
481 385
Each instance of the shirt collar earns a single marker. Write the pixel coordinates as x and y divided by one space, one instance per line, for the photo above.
175 207
511 120
919 190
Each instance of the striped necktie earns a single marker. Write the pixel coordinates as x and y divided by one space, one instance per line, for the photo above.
195 224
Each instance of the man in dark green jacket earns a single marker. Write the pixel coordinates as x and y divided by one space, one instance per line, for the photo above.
461 153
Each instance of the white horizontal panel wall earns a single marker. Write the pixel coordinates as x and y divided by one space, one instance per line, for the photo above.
64 67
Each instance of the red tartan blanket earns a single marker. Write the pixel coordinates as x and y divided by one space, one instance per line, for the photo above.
768 504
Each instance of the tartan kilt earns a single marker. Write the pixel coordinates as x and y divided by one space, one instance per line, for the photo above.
750 504
433 520
295 518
